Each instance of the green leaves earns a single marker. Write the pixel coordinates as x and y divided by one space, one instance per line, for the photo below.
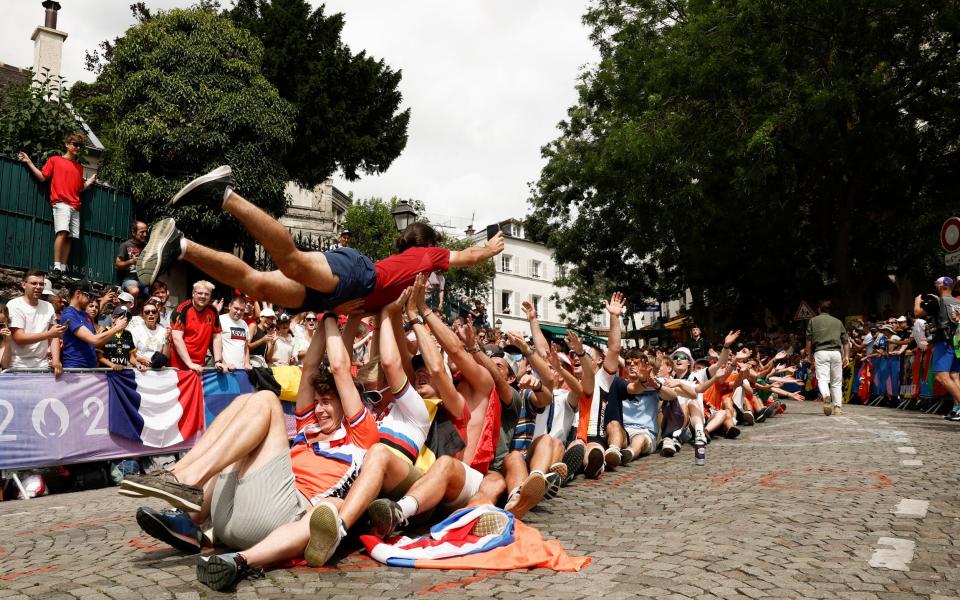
33 121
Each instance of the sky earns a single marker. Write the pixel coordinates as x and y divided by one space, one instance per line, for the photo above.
487 81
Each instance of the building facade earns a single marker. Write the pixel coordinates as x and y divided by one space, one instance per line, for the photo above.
526 271
317 213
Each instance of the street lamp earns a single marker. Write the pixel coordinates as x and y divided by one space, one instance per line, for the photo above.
498 323
404 215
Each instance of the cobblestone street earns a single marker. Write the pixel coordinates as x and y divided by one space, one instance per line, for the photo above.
803 506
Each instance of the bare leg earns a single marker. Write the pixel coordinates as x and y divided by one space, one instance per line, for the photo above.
443 482
640 444
273 287
491 488
717 421
222 423
382 470
616 436
950 384
541 453
309 268
251 441
61 247
515 469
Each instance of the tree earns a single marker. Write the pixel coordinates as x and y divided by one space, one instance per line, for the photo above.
466 284
756 152
183 93
371 225
347 104
34 120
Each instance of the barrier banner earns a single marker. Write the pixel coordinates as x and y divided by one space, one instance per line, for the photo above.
44 421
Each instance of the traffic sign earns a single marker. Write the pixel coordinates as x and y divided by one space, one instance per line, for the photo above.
951 259
950 235
804 312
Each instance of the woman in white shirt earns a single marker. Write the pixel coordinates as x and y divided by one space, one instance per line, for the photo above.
280 351
149 338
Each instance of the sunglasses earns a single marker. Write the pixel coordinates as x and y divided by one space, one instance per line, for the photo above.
374 397
76 144
149 312
310 319
635 361
679 357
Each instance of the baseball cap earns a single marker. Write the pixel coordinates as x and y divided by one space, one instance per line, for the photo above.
86 287
267 312
345 232
125 297
120 311
686 351
283 316
901 319
944 282
48 288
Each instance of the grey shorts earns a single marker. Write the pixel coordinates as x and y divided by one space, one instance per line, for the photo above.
244 511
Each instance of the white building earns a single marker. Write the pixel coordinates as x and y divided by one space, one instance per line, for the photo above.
316 213
526 271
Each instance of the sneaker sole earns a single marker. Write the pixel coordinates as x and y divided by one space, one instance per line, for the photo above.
173 499
156 529
594 466
379 513
211 176
130 493
148 265
489 524
553 489
214 572
324 525
573 458
611 459
530 494
561 470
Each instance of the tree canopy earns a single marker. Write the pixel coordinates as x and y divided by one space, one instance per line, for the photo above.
348 105
756 150
34 119
181 94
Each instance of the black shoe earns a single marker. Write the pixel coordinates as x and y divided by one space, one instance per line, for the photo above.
206 189
224 571
573 458
172 527
594 466
385 517
732 433
161 251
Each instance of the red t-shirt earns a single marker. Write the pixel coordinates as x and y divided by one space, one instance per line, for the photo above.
198 328
396 273
66 180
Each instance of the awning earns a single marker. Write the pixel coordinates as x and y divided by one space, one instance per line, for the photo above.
558 333
678 323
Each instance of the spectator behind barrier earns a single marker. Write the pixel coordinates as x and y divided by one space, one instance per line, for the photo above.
34 328
65 174
126 261
235 336
195 329
80 340
6 347
118 351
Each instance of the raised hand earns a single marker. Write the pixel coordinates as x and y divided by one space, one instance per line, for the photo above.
528 381
495 244
420 291
517 340
731 338
528 310
616 304
397 305
574 342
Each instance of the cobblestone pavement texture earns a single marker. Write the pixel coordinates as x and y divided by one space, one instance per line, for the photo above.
793 509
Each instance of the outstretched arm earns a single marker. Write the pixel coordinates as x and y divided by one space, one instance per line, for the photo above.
615 306
391 360
724 357
537 362
312 362
588 379
339 359
476 254
539 341
453 401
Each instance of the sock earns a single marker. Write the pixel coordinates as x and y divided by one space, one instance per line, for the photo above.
408 506
343 528
241 561
537 471
612 447
58 266
699 431
226 192
183 248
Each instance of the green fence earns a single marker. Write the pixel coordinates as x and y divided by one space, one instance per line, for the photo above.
26 225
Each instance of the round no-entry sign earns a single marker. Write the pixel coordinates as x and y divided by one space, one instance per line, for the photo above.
950 234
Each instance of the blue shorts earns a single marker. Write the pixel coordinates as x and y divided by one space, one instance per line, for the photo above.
357 277
944 359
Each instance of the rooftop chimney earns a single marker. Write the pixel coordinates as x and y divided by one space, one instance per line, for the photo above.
48 48
50 19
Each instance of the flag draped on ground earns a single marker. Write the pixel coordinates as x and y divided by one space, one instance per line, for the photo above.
450 545
155 408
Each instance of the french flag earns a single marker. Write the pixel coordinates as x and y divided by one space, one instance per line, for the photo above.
155 408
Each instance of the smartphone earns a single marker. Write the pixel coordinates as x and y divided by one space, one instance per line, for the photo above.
492 230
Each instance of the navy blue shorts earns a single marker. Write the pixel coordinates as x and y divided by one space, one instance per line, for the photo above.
357 276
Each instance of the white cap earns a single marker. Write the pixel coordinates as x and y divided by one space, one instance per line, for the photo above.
48 288
901 319
267 312
684 350
124 297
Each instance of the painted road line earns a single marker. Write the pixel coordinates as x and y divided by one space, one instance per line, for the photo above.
906 450
882 423
16 514
911 462
916 509
896 557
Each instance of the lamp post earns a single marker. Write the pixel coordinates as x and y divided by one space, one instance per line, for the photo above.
403 215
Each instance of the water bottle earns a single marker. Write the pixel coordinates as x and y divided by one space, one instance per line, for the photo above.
700 453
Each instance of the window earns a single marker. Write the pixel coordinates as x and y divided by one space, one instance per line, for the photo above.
597 320
539 305
506 263
506 301
513 230
536 269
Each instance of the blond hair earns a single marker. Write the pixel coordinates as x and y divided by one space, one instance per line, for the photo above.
204 284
